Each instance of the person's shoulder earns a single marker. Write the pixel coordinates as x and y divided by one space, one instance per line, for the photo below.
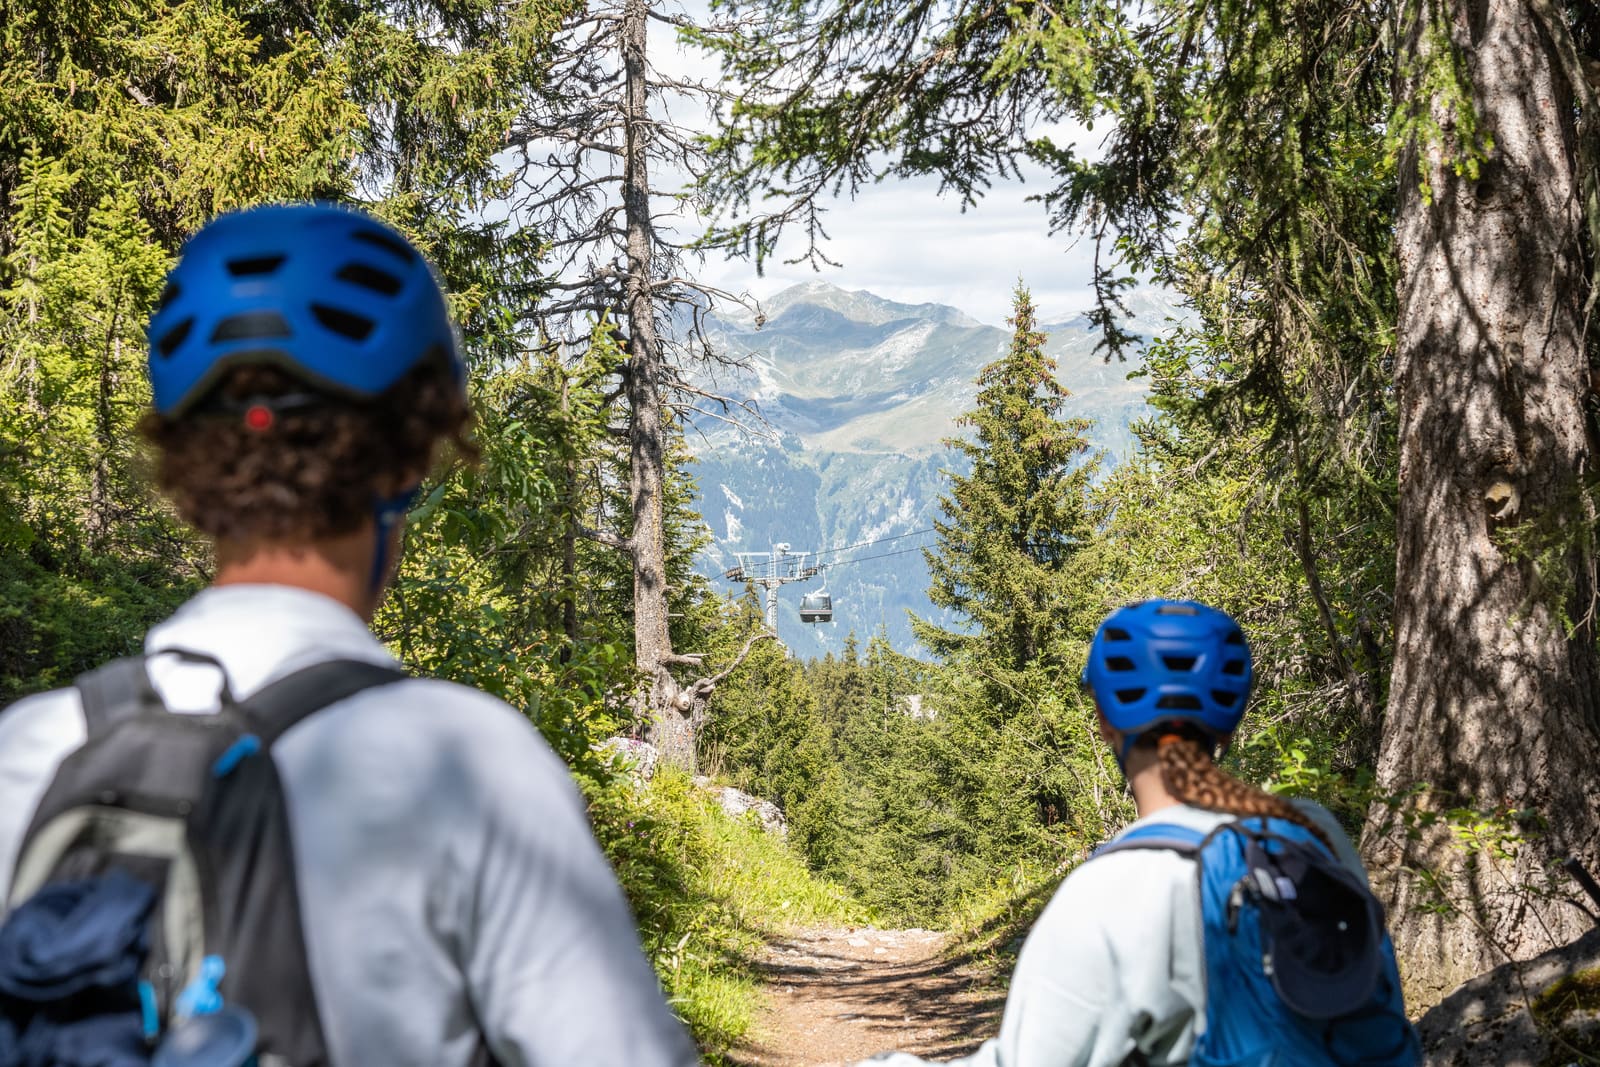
428 722
1316 812
446 711
1343 848
54 711
1114 876
460 700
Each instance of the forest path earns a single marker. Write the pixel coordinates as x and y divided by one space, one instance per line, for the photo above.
838 995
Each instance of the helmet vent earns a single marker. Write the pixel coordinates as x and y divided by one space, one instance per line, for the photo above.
1119 663
1114 633
343 323
1234 667
1128 696
242 268
252 325
1223 697
174 337
1176 609
1180 663
168 294
1180 702
1234 638
369 278
379 239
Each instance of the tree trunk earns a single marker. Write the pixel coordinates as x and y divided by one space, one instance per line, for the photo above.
652 641
100 504
569 536
1492 703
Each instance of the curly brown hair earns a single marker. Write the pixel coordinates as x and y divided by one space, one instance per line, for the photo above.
313 474
1191 775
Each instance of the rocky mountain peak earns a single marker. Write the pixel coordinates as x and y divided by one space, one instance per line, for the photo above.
861 393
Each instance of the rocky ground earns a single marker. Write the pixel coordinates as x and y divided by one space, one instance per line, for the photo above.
837 996
1542 1013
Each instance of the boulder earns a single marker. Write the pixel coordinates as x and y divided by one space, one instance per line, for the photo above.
1541 1013
640 757
737 803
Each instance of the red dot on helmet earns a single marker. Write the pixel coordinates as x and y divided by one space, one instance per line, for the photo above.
258 417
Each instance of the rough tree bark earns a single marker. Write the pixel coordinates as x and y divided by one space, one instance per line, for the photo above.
583 154
652 640
675 712
1493 701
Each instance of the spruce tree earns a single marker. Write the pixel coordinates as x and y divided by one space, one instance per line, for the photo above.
1012 525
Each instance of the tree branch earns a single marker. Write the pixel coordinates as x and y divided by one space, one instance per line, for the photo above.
607 538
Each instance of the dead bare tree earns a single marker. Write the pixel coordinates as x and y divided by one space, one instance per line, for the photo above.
602 159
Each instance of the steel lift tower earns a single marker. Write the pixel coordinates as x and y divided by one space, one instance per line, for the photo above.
771 571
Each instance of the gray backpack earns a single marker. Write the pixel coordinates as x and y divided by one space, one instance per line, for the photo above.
156 880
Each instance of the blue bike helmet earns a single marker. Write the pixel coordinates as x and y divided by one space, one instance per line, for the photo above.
328 294
1169 660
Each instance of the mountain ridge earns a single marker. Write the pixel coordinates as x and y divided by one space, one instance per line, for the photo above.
859 395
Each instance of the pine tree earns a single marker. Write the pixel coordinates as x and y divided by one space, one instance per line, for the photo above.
1012 525
1493 701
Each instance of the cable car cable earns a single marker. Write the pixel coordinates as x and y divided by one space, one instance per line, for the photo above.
863 544
880 555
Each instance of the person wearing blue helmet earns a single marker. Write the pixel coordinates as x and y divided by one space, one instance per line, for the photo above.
1116 969
436 896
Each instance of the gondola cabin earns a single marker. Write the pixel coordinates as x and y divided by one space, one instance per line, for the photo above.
816 607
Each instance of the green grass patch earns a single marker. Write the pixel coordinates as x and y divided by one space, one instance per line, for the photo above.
708 891
987 927
1552 1009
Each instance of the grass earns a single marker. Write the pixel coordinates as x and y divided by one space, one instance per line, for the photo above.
1575 993
988 927
709 891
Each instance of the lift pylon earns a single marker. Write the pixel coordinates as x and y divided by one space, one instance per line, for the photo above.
772 571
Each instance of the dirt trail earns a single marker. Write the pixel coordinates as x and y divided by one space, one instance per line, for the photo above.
837 996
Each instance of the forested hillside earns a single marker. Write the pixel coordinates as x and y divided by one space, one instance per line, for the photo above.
852 401
1368 433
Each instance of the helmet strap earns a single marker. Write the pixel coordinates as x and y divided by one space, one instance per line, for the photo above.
387 512
1128 741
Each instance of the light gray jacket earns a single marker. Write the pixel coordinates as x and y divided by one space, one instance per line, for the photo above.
448 877
1115 963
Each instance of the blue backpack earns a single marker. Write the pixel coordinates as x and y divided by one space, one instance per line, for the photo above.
1299 969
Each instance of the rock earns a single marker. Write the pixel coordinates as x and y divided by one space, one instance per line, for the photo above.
1487 1020
640 757
738 803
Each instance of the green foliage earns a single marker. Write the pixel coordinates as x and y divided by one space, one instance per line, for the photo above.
1574 994
1245 162
935 792
708 891
122 128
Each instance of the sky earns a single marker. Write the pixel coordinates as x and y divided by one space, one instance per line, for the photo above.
903 241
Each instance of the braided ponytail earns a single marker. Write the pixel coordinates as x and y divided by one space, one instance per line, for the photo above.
1193 777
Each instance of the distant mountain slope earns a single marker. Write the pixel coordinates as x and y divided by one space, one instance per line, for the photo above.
859 393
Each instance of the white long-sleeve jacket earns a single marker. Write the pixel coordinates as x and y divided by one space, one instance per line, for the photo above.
448 877
1115 962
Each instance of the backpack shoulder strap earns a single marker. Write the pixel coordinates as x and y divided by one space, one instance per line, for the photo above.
274 708
114 692
1167 836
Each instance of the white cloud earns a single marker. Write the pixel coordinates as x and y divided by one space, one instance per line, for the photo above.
904 241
